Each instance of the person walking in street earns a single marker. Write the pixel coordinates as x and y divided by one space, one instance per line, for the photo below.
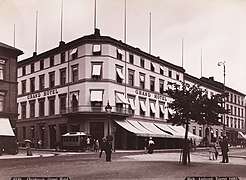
108 149
224 150
151 146
212 151
96 145
102 146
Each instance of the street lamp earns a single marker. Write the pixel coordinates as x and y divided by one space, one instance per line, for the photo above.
222 63
108 109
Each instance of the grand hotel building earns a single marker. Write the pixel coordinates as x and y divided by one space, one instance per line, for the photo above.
67 89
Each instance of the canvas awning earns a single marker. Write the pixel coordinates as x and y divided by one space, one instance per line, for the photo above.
142 105
152 107
119 72
96 96
5 127
241 135
96 70
181 131
73 51
132 104
121 98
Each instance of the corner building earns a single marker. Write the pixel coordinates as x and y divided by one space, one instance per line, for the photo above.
67 88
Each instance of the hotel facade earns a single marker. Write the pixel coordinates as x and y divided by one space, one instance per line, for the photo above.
67 88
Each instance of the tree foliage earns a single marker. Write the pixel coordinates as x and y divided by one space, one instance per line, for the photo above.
193 103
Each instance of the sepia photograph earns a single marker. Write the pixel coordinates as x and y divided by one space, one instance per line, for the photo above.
122 89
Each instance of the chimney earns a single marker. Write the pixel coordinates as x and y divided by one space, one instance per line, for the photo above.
211 78
61 43
97 32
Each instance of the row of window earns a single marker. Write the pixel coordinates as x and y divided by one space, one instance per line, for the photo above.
97 51
96 75
233 98
234 122
236 111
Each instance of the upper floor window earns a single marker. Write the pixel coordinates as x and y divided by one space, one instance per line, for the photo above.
51 106
75 73
170 73
152 109
235 99
24 70
96 71
63 57
23 87
32 84
74 53
32 108
96 49
161 84
41 64
142 108
2 95
63 99
177 76
131 58
161 70
41 82
52 79
152 66
52 61
2 65
41 107
231 97
32 68
142 81
119 54
152 84
142 62
131 77
194 130
162 111
23 110
63 76
119 75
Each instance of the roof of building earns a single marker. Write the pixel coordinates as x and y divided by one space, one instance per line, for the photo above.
7 47
97 38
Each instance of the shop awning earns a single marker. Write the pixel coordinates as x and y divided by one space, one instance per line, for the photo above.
142 105
241 135
181 131
126 125
158 132
152 107
121 98
96 96
5 127
166 128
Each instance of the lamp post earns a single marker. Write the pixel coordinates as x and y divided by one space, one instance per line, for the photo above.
222 63
108 109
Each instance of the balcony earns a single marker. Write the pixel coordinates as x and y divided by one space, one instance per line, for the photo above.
93 110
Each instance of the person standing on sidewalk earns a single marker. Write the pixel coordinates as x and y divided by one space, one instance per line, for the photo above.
108 149
224 149
102 146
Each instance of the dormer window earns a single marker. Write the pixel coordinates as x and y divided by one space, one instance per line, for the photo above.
96 49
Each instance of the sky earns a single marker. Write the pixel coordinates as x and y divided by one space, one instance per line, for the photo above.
212 30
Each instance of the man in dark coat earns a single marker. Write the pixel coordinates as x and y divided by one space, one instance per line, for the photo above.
224 149
102 146
108 150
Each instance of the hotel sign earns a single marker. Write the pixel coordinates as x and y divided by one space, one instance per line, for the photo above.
150 95
43 94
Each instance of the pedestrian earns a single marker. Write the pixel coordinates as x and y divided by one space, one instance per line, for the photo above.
102 146
151 146
88 143
146 144
212 151
108 149
224 150
96 145
39 143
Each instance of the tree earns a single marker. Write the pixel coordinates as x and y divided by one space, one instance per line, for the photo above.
192 103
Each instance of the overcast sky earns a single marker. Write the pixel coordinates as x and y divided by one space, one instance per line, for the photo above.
218 27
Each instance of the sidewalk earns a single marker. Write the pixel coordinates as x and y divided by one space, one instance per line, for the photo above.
38 153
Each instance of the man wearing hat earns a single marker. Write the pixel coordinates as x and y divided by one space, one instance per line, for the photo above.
224 149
